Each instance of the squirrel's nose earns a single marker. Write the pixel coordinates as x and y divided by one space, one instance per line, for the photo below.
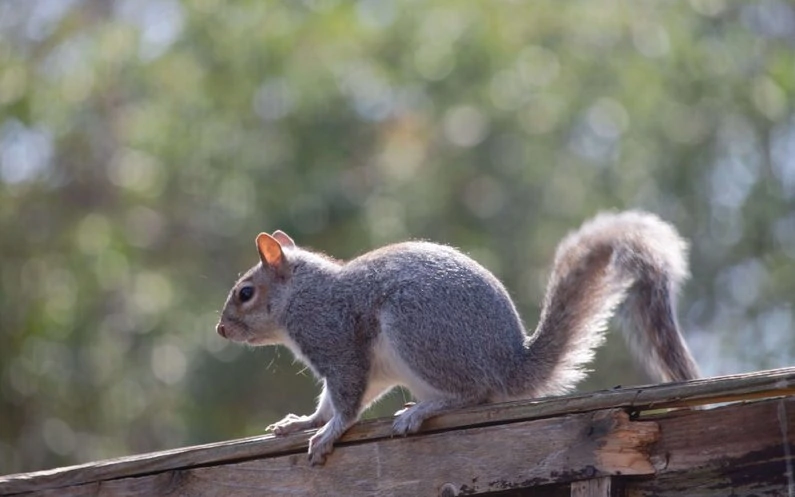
221 330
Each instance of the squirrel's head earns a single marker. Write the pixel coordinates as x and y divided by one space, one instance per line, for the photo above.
248 313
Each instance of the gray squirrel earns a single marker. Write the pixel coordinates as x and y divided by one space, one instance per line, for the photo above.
429 318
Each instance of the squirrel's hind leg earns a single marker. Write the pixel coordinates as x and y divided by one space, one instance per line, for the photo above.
410 419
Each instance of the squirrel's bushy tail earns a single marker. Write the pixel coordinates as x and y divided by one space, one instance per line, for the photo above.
632 262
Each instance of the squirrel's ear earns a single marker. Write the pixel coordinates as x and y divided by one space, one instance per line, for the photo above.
284 240
270 252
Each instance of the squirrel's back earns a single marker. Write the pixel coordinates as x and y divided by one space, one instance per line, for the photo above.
441 311
420 262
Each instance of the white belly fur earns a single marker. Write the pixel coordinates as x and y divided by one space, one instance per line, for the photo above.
389 369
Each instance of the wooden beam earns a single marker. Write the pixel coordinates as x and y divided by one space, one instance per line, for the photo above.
775 383
742 449
470 462
739 450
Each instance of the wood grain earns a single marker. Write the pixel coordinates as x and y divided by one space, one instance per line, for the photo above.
774 383
742 449
470 461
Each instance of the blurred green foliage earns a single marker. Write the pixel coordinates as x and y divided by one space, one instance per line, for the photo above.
144 143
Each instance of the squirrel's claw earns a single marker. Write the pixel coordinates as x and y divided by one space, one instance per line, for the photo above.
291 424
319 448
408 421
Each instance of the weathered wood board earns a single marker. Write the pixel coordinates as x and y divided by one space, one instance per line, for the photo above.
489 448
470 461
743 449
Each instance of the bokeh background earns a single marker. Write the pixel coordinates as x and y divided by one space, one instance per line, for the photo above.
144 143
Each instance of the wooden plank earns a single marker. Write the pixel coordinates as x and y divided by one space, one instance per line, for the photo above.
742 449
595 487
465 462
773 383
738 450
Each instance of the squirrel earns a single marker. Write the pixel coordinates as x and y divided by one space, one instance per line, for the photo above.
429 318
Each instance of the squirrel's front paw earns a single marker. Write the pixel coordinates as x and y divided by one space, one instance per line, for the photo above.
320 446
291 424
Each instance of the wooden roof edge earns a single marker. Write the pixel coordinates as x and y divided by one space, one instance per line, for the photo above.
731 388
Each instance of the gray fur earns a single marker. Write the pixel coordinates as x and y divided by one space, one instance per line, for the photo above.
427 317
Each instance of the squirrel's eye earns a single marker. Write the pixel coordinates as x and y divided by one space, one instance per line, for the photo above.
245 294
